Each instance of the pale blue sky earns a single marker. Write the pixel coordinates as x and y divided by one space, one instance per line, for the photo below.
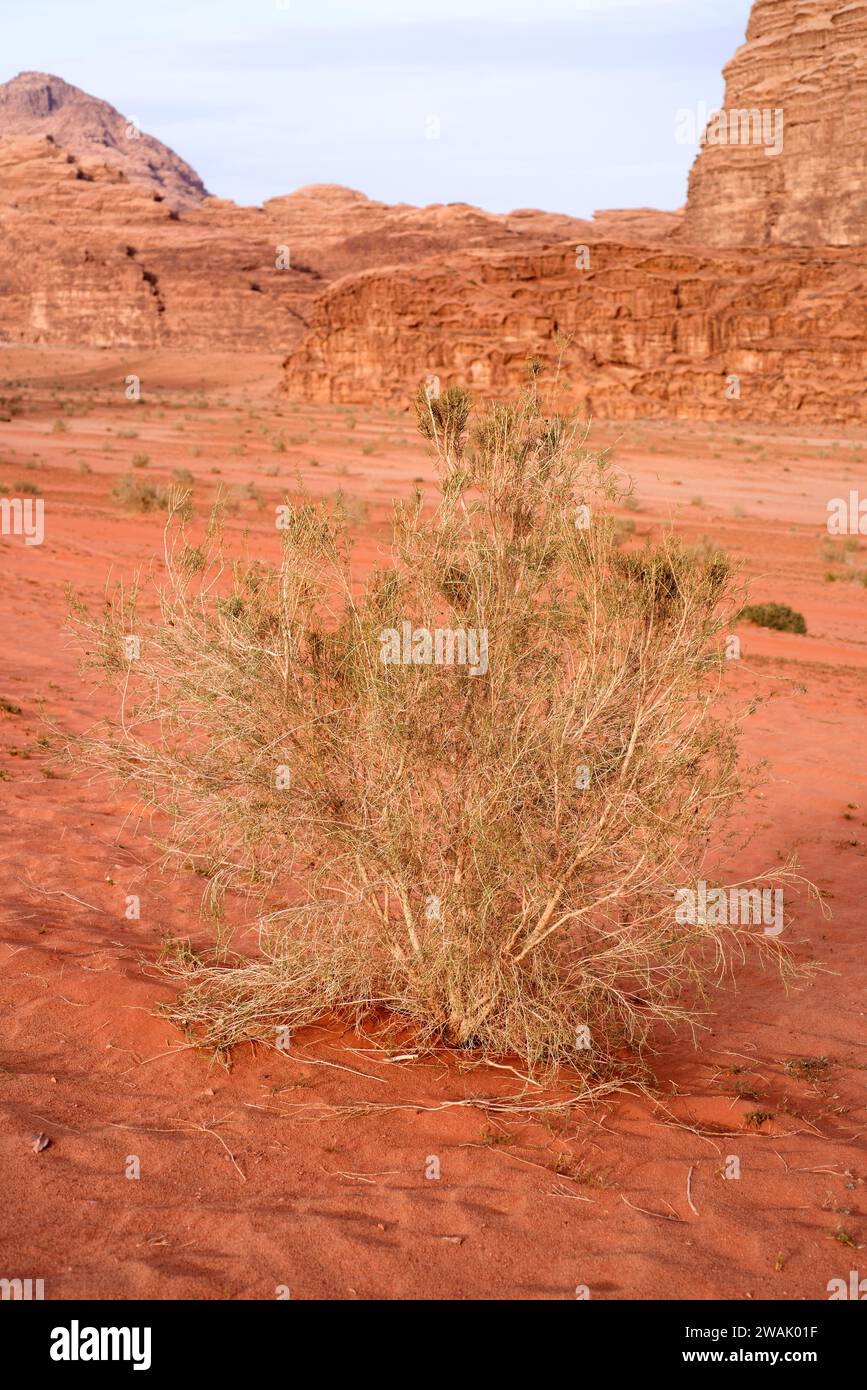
567 105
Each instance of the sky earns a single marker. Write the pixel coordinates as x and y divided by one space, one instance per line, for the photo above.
566 105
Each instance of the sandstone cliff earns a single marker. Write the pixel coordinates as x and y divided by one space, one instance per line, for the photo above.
808 60
760 281
642 331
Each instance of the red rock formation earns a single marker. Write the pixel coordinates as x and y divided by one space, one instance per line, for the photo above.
669 308
805 58
643 331
35 103
94 257
659 329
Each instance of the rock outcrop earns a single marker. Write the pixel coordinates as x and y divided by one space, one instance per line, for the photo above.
800 83
92 256
38 104
639 331
752 303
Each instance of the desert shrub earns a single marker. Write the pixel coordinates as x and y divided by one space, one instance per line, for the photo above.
243 492
484 853
134 492
775 615
140 460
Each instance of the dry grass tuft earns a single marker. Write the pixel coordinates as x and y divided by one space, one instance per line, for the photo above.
419 843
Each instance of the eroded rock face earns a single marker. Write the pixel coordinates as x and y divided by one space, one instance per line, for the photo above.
644 331
38 104
808 60
94 257
758 289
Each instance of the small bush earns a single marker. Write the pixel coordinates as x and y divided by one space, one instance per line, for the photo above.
243 492
149 497
775 615
140 460
419 843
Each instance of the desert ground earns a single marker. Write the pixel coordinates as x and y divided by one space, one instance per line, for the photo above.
309 1174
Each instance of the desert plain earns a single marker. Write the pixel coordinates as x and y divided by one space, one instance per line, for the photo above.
341 1169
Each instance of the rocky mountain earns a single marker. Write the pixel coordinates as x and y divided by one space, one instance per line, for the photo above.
93 256
752 300
37 103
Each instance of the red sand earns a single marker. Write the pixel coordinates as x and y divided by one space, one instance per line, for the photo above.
249 1181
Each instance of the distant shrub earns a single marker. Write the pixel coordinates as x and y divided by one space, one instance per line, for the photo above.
140 460
243 492
149 497
775 615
